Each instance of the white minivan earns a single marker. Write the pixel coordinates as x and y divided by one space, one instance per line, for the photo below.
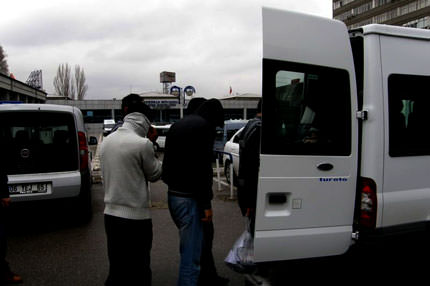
45 154
344 145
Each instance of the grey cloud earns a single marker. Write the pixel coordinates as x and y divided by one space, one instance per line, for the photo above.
124 45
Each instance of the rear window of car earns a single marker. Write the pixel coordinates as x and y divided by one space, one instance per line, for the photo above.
38 142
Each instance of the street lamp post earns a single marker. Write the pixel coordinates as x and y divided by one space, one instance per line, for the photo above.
180 93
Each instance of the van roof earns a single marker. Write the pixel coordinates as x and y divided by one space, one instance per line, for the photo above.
396 31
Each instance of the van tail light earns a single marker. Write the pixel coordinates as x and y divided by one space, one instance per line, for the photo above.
83 151
368 203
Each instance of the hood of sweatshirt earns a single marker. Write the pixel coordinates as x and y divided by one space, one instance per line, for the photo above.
137 122
212 111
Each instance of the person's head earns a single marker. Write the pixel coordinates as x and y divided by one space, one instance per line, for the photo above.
212 111
134 103
194 104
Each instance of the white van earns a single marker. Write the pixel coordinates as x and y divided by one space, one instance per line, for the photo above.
344 149
45 154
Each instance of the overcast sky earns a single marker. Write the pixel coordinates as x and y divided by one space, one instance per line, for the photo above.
124 45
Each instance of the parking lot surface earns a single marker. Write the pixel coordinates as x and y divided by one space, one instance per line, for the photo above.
47 246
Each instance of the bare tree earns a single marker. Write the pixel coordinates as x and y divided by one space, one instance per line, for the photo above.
4 68
63 82
80 83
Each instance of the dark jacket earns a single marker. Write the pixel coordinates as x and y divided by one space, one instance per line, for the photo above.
188 154
4 191
249 164
187 163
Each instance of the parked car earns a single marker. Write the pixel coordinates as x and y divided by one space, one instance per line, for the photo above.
224 134
108 124
47 154
162 132
232 148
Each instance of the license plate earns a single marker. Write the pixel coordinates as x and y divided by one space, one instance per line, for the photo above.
30 188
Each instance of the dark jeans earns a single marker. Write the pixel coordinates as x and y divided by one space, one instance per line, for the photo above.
207 264
186 216
129 245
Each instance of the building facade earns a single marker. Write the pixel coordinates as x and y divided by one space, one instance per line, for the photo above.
166 108
408 13
12 90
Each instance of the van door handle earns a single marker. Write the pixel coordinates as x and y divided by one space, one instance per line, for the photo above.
277 199
325 166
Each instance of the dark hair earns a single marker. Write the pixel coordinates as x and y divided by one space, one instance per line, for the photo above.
194 104
134 103
212 111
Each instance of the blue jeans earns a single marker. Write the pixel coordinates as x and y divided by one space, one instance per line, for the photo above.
185 214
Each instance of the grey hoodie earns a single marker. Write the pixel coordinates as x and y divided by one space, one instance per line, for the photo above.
128 163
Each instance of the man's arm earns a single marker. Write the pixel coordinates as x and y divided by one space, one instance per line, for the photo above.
151 165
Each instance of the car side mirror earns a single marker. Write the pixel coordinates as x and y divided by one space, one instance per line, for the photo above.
92 141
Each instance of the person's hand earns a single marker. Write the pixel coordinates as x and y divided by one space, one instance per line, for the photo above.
208 216
249 212
5 202
152 134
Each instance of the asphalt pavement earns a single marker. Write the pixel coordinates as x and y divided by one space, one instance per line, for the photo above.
47 246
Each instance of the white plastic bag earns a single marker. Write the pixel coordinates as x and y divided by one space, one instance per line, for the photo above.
241 256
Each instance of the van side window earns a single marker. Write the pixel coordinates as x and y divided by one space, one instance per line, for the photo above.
408 105
306 110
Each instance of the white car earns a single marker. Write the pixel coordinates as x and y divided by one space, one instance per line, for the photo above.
47 155
162 132
231 147
108 124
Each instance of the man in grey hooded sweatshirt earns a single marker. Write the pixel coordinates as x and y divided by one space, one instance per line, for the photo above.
128 162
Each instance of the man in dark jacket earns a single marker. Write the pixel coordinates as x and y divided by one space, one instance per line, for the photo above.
7 276
249 164
187 170
208 273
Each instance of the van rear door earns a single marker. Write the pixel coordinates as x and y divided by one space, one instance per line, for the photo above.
308 161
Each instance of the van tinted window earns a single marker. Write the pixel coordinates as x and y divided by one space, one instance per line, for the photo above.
408 103
38 142
306 110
